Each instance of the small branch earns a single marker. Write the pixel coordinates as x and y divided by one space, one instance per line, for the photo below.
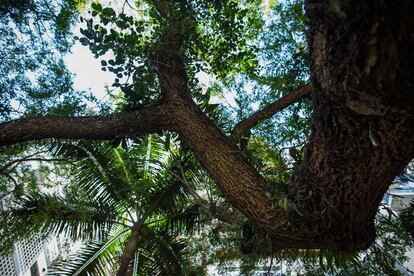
119 223
6 194
16 185
129 4
268 111
24 159
6 166
190 188
6 174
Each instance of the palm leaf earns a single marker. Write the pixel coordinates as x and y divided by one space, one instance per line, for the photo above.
95 171
75 217
144 177
94 257
159 253
188 220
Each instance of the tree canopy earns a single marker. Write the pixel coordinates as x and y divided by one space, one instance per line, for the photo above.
306 120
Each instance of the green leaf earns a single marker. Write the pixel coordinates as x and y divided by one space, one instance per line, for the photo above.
97 7
84 41
108 12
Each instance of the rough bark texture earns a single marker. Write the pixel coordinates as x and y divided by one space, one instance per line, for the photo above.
149 119
362 133
363 123
237 179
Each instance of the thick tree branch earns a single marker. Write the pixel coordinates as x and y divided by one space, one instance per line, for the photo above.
148 119
362 128
269 110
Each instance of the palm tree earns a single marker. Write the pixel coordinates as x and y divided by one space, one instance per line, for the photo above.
129 207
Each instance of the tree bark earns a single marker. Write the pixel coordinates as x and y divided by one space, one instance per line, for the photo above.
129 252
146 120
363 124
362 128
239 182
269 110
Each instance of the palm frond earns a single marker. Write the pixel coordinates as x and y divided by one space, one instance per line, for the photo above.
144 177
114 174
76 217
188 220
171 192
94 257
95 171
160 253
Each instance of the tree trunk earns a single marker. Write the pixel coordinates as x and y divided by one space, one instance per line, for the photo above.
363 124
362 134
362 128
129 253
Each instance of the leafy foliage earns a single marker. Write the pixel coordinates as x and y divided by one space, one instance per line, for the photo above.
153 183
111 191
214 38
33 77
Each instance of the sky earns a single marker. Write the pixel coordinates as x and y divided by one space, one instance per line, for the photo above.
88 75
87 70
